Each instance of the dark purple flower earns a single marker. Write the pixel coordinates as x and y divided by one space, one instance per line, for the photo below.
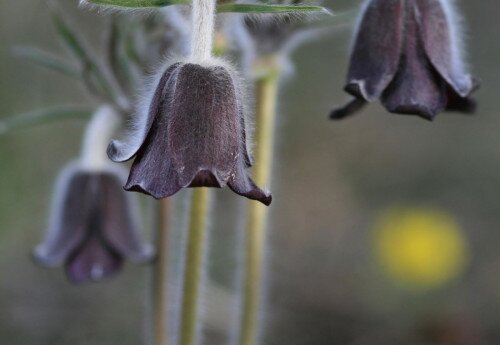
93 226
193 135
407 54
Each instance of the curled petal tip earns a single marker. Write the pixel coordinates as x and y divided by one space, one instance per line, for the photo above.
40 256
146 255
348 109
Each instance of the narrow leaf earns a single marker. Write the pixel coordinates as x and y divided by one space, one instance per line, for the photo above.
269 8
47 60
222 8
69 37
43 116
137 3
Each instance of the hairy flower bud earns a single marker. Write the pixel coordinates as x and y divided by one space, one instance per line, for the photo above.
192 135
407 55
93 226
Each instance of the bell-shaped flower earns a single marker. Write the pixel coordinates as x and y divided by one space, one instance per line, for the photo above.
192 134
94 223
93 226
408 55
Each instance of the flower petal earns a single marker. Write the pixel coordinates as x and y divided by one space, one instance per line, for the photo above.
120 223
121 151
348 109
199 129
242 184
377 49
93 261
69 217
417 88
440 40
204 128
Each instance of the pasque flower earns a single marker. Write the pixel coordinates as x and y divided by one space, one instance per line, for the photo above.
94 223
192 135
407 54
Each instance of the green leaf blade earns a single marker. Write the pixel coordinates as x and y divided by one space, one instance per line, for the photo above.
137 3
221 8
270 8
43 116
47 60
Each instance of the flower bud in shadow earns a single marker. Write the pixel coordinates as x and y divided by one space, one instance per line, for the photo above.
270 35
93 226
407 54
192 135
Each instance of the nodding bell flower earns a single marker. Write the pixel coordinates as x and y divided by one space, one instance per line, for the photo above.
192 135
94 224
407 54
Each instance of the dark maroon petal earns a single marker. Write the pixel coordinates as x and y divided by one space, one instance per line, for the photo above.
198 130
242 184
377 49
440 43
121 151
68 222
93 261
417 88
248 159
349 109
120 226
204 128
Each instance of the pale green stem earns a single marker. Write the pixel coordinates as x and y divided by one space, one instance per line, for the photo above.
266 97
196 247
160 278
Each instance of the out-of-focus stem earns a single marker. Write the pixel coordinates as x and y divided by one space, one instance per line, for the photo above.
266 89
160 278
196 246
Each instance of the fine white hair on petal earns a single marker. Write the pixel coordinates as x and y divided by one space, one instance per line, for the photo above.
41 252
241 90
138 124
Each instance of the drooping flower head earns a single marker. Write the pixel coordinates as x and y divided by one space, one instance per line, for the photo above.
192 135
407 54
94 224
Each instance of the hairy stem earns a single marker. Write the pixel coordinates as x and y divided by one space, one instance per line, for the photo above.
203 17
196 246
160 278
266 97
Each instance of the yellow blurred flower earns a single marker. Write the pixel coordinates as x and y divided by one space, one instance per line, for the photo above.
420 248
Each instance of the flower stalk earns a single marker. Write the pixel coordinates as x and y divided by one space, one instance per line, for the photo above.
203 16
196 247
160 277
203 24
266 90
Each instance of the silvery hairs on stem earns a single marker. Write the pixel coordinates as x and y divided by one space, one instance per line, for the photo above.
192 132
94 224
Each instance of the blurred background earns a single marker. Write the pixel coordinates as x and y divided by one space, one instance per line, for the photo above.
384 228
